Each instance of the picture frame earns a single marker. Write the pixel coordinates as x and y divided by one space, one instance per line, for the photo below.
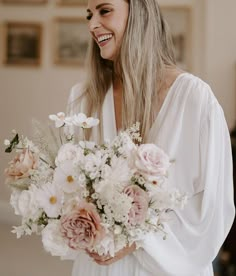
71 39
179 21
72 2
30 2
22 44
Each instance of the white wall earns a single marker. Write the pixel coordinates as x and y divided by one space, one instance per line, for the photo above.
220 53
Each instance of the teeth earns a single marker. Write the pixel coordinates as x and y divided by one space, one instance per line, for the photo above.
104 37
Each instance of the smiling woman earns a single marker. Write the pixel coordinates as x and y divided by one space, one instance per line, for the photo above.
107 24
132 77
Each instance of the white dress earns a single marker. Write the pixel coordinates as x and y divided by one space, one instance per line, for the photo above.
191 128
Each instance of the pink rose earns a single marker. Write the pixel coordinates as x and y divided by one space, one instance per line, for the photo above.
151 160
21 165
138 211
82 226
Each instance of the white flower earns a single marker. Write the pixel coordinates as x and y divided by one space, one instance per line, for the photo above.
66 178
18 230
93 162
24 202
126 145
83 121
54 243
151 161
68 121
117 230
59 119
69 152
120 205
7 142
50 198
120 170
117 174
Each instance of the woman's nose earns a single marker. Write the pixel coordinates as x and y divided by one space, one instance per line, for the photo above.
94 23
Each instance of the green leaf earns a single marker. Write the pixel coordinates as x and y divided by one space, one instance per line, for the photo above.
14 142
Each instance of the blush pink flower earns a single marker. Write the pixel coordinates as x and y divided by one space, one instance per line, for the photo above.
138 211
82 226
21 165
151 160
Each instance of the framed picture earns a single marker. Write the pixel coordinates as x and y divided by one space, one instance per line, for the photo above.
22 43
179 21
72 2
24 1
70 41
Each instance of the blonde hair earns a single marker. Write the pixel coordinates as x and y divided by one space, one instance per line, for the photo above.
145 52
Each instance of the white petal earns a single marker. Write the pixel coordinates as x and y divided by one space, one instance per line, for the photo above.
7 142
61 115
53 117
59 123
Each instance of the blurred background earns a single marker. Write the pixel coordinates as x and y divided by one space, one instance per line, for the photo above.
42 49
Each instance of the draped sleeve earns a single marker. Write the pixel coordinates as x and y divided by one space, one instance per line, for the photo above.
75 105
196 233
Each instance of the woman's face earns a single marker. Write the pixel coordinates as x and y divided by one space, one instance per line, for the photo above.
107 23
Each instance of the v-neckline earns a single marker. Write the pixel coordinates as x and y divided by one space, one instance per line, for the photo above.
109 119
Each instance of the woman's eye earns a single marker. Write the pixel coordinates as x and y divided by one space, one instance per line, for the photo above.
89 16
104 11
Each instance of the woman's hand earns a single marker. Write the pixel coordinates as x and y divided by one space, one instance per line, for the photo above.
107 259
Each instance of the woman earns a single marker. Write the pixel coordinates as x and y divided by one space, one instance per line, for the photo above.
132 77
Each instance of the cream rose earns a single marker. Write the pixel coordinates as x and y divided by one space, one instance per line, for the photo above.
82 226
138 211
21 165
151 160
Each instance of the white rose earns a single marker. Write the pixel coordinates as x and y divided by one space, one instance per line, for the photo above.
24 203
54 243
68 152
151 160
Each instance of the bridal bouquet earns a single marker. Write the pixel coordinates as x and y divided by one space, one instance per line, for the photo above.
86 196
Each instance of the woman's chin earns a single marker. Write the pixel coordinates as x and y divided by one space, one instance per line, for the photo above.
107 56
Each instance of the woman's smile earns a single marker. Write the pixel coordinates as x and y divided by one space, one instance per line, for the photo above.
107 24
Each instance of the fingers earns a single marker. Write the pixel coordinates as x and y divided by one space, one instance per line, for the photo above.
101 260
107 259
107 262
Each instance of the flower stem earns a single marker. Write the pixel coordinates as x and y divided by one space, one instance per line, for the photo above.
60 135
51 167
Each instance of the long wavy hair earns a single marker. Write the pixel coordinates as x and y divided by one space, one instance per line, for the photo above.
146 50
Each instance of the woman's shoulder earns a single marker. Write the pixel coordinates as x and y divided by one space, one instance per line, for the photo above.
197 95
196 88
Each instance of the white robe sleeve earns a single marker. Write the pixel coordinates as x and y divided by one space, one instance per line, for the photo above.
197 232
74 105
